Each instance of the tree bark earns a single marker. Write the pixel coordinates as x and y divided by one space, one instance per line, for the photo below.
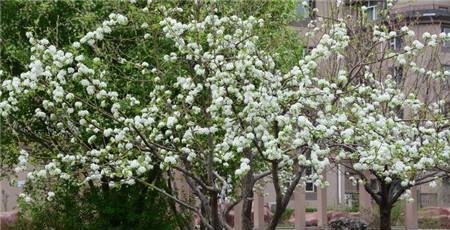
385 204
247 200
275 219
278 196
282 200
216 222
385 218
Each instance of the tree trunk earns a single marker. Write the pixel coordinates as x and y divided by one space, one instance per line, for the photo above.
275 219
247 223
247 200
282 200
385 217
202 225
216 221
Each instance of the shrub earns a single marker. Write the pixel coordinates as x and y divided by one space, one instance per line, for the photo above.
132 207
346 223
286 215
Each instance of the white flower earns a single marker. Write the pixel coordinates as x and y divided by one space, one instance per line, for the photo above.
244 167
171 121
78 104
107 132
129 146
170 160
347 133
95 167
141 170
76 45
50 196
28 199
92 139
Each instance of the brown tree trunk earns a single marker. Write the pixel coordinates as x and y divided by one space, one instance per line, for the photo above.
202 225
385 218
247 223
247 200
275 219
216 223
282 200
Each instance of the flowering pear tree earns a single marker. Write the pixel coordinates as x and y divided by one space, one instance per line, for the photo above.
395 134
218 110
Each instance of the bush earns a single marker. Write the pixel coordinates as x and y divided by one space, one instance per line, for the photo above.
133 207
286 215
430 223
352 209
346 223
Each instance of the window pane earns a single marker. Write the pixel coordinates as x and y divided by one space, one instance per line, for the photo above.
398 74
395 43
309 171
309 187
446 30
372 13
301 10
398 43
305 11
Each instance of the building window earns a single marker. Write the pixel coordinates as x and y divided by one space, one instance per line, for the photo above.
398 74
371 10
309 185
399 111
446 29
306 11
395 43
428 200
446 67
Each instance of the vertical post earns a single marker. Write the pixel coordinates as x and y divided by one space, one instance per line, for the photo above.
322 204
341 184
365 202
258 210
411 211
299 208
237 216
